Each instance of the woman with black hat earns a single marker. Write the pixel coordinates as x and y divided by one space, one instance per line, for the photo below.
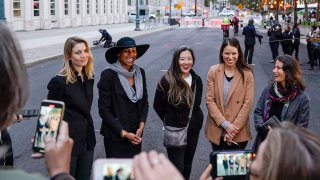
123 100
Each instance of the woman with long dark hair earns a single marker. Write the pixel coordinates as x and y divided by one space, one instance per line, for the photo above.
229 99
173 101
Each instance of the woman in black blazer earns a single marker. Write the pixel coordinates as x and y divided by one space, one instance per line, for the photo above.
172 102
74 86
123 100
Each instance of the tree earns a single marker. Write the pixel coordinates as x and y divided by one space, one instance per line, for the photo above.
306 14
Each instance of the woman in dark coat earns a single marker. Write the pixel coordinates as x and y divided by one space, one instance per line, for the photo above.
286 43
284 97
172 102
74 86
275 35
123 100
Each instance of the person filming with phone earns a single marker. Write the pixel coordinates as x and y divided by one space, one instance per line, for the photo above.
284 97
14 90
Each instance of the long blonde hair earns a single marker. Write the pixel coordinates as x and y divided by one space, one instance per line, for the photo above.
68 69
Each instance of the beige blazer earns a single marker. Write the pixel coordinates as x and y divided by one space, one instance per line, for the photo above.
238 106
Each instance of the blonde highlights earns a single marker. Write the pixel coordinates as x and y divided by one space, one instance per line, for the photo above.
68 69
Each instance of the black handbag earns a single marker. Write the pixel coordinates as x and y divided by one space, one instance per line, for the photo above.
176 137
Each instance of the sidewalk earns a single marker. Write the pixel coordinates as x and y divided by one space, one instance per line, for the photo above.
42 45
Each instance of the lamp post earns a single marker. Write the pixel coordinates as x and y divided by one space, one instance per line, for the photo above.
2 15
195 7
137 17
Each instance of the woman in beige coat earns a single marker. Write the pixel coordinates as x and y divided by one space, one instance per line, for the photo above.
229 98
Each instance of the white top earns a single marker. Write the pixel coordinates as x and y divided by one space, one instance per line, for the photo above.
189 80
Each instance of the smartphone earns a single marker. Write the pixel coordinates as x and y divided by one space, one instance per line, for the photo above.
112 169
231 164
50 115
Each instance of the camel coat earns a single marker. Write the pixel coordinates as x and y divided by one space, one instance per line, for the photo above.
238 106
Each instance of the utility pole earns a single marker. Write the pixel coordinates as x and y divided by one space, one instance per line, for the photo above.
137 17
195 7
2 15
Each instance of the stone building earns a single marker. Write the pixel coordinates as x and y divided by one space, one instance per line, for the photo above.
48 14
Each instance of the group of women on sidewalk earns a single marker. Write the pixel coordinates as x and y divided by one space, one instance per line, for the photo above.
123 100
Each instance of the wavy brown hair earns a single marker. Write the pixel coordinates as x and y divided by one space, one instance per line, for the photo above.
241 64
179 90
292 71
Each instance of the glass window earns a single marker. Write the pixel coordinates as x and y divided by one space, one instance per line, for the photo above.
52 7
36 10
66 7
111 6
88 6
16 8
97 6
78 6
104 6
129 2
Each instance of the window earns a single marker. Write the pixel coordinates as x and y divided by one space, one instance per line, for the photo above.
66 7
88 6
16 8
111 6
118 4
97 6
78 6
129 2
104 6
36 10
52 7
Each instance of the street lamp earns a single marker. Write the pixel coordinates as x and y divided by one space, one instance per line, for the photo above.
2 15
137 17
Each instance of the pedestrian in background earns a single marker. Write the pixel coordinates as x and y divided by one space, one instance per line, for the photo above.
309 45
250 35
229 99
14 90
106 37
296 42
284 97
286 42
173 101
275 35
123 99
74 86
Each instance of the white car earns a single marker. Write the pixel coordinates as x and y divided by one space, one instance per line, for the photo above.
188 13
226 13
132 17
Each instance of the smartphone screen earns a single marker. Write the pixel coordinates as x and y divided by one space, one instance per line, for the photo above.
231 163
104 169
50 115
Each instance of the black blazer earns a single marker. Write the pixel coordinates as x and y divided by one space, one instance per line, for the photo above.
177 116
78 98
113 103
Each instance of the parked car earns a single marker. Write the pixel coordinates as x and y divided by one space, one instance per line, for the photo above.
188 13
132 17
152 16
226 13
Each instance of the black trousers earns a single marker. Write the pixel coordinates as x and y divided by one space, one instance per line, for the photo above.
249 49
224 146
120 149
81 165
296 50
182 157
274 49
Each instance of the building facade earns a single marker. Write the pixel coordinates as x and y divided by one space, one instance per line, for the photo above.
48 14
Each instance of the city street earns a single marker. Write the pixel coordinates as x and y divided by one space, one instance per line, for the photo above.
205 43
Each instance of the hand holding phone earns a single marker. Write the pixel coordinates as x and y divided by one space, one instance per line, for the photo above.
50 115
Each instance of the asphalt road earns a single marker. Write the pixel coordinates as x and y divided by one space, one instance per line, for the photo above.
205 42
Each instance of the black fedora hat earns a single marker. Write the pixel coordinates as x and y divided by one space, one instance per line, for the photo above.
124 43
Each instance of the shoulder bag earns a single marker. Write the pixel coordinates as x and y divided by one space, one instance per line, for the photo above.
176 137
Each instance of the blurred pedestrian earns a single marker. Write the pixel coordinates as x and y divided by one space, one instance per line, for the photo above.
286 42
250 35
227 125
284 97
123 99
296 42
14 90
106 37
309 44
173 101
74 86
275 35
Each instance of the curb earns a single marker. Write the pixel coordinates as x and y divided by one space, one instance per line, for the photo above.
92 47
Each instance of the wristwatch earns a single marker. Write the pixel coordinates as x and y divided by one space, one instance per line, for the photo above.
123 133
